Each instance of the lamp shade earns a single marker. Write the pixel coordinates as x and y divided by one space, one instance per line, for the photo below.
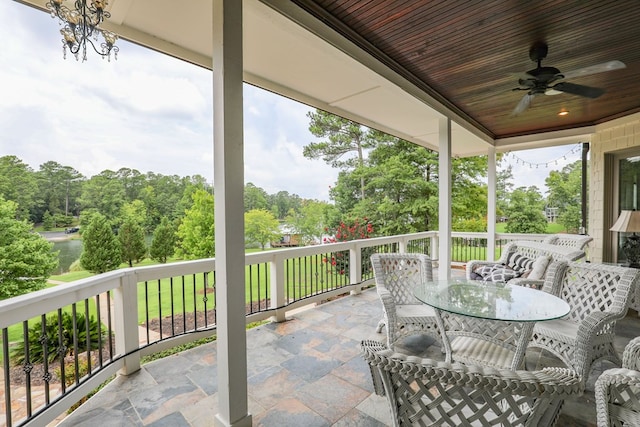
628 222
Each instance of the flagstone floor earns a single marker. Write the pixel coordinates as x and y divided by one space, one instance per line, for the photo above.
306 371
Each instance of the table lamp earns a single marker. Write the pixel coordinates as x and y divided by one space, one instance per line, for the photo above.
629 222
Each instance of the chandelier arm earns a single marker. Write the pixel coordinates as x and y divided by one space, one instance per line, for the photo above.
82 24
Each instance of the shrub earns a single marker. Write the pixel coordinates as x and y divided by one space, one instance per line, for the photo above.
339 261
57 343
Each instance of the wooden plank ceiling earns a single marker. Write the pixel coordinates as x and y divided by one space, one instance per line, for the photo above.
472 52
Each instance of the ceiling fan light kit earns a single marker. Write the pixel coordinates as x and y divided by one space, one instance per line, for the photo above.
551 81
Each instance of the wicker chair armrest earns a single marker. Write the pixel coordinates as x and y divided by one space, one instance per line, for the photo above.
388 302
588 329
616 378
368 346
631 355
527 283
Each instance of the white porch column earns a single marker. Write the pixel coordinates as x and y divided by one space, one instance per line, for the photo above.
229 213
444 198
491 204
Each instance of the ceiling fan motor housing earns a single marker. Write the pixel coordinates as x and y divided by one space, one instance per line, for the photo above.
538 51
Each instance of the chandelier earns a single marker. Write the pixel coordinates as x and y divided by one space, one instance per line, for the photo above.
80 26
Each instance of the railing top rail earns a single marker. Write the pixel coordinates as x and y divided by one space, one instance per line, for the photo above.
17 309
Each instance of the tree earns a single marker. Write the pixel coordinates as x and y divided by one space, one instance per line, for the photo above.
132 244
282 203
18 184
163 243
504 187
311 221
101 249
261 226
135 211
132 181
525 212
26 259
47 221
343 137
59 188
254 197
196 233
401 189
571 218
104 192
565 189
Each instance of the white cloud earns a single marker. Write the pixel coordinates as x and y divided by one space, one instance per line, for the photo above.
150 112
145 111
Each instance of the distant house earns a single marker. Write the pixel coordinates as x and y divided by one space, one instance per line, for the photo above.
289 238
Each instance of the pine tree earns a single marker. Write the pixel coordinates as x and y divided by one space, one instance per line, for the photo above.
132 245
163 243
101 249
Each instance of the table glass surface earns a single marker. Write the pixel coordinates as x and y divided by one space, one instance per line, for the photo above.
491 301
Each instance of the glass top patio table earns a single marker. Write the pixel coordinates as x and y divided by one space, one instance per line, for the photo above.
467 311
491 301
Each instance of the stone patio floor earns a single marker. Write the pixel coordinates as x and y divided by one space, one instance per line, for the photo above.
306 371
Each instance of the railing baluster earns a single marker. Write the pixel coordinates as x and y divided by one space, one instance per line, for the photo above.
160 308
109 326
7 377
88 332
46 376
184 306
100 344
195 302
146 310
76 361
62 352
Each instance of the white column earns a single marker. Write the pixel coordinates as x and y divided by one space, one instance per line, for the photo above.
491 203
229 214
444 198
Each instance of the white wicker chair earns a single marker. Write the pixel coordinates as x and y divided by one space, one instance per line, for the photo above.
396 274
531 250
598 295
425 392
618 391
575 241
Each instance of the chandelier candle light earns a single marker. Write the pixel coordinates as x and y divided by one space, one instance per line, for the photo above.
629 222
80 26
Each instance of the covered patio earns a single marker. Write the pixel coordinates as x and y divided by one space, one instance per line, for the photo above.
330 56
306 371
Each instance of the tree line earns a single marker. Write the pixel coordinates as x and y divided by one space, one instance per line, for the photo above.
387 184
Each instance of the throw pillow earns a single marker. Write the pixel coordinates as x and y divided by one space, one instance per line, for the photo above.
539 267
501 274
519 262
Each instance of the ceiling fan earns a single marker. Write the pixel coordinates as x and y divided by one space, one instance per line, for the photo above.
550 81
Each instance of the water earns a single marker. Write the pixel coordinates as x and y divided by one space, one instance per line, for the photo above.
70 251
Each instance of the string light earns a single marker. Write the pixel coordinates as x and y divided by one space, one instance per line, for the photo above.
576 149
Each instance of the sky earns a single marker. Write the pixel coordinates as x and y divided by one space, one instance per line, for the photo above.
150 112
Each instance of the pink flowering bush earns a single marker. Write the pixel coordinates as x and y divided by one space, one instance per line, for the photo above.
339 261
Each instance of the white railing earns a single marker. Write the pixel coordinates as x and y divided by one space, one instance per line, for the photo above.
119 298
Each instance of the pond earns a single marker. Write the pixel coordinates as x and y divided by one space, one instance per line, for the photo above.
70 251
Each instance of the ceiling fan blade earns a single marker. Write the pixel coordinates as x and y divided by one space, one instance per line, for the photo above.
574 89
594 69
522 105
